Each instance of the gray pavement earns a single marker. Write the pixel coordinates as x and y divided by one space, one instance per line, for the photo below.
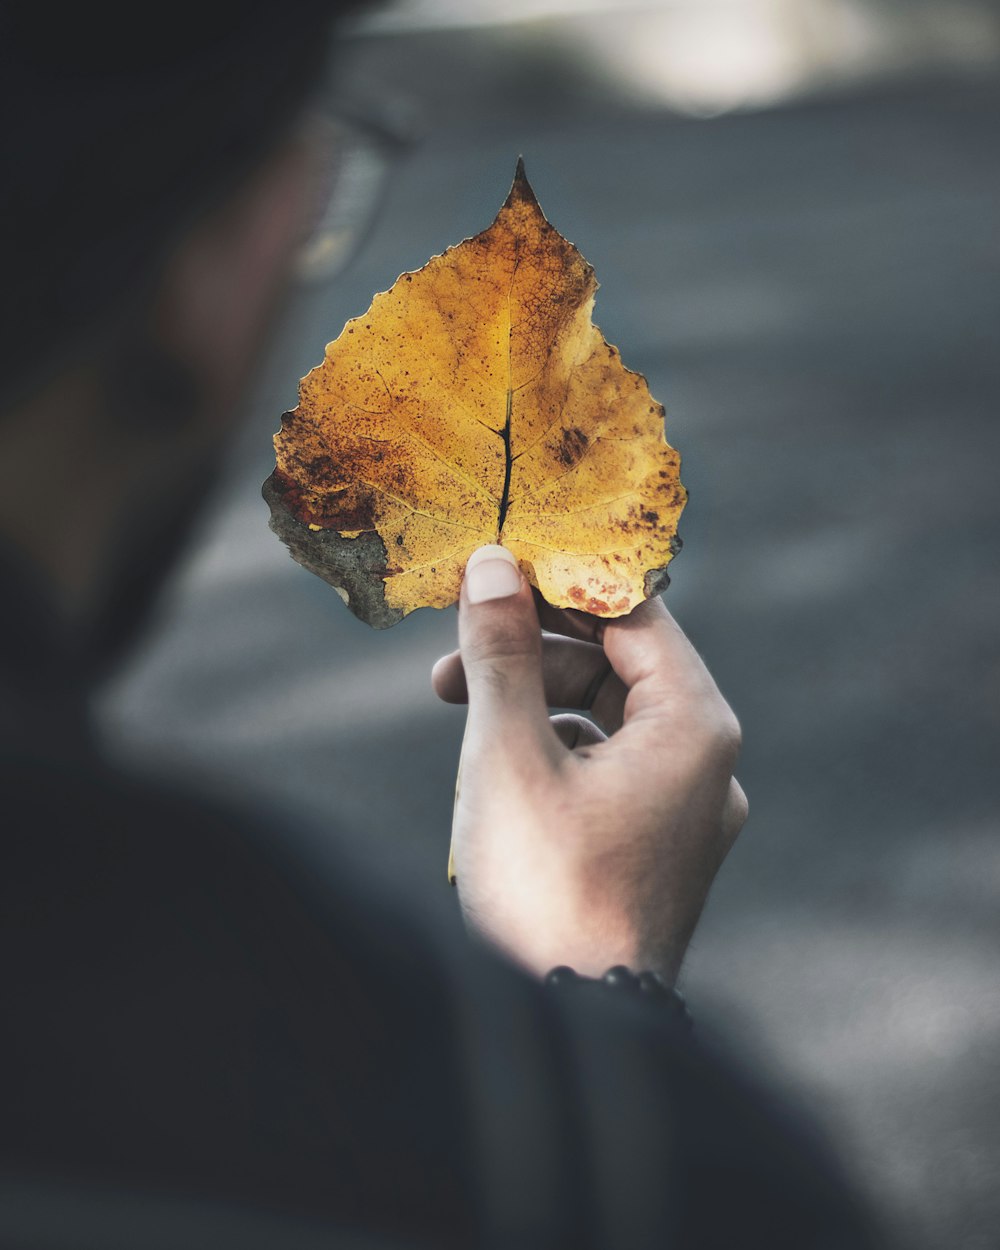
813 294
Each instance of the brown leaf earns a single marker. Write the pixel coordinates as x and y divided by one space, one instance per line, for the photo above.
475 402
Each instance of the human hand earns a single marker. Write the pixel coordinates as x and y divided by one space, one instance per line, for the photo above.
573 847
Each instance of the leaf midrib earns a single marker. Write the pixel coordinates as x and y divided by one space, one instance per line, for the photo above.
505 432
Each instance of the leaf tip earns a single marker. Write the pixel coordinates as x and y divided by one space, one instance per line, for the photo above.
520 190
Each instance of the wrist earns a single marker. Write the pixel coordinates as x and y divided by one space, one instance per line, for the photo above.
589 942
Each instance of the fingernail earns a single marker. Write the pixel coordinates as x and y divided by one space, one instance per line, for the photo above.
491 573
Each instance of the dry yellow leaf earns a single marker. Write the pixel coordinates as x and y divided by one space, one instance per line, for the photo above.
475 402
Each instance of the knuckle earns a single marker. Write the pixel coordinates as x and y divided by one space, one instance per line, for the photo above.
729 734
501 641
720 736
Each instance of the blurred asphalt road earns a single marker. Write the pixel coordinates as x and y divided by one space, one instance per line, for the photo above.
813 293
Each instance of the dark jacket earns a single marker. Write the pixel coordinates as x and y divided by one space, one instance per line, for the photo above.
199 1018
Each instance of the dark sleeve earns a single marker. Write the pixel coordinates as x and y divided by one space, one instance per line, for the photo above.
191 1011
648 1136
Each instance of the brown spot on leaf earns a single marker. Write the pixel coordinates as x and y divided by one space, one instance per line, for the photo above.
572 444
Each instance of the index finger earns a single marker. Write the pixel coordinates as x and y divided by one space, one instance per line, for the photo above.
668 683
651 654
647 642
649 645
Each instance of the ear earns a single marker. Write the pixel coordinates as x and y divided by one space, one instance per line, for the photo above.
220 288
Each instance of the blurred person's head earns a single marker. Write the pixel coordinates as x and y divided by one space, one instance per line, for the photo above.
157 180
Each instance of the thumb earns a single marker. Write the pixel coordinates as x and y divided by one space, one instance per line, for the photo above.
501 644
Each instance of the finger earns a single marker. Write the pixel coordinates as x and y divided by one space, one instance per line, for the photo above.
668 682
575 674
647 640
666 678
448 678
500 642
576 731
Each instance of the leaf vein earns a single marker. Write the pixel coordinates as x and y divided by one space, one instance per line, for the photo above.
600 503
431 516
455 471
562 406
415 568
569 551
